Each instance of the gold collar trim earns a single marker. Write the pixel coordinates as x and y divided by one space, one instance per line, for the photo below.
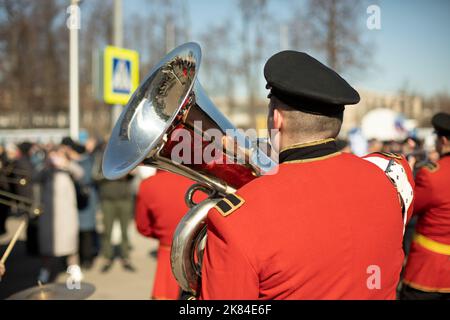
315 159
308 144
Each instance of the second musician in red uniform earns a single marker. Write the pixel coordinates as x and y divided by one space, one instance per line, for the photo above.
427 273
159 208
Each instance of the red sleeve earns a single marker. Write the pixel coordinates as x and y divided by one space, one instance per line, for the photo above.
143 216
226 273
423 192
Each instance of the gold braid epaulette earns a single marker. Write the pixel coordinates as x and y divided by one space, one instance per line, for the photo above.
431 166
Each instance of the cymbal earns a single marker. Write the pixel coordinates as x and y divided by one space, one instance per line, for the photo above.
55 291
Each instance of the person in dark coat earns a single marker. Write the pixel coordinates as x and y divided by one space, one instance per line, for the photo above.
58 225
24 172
84 156
4 186
116 201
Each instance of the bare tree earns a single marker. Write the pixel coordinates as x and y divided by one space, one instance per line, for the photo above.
152 32
157 30
253 37
219 69
96 32
439 102
33 46
335 28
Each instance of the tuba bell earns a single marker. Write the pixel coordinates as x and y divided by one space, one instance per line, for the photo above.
169 108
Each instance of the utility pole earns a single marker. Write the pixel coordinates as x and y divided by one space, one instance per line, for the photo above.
118 42
73 23
170 35
118 23
284 37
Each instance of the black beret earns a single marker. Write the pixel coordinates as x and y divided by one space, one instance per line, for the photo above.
441 123
304 83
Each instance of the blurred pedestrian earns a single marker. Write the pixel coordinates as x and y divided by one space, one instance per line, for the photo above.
160 206
88 209
427 273
116 201
23 172
4 186
58 225
374 145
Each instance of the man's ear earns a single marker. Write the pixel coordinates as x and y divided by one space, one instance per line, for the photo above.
442 141
277 119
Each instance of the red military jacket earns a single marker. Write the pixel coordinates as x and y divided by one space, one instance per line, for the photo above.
327 225
159 208
160 205
428 266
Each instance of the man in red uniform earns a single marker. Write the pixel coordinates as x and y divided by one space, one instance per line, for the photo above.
159 208
327 225
427 273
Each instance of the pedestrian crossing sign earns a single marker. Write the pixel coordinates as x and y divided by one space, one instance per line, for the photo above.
120 74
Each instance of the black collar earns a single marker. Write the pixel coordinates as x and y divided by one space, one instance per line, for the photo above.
445 154
309 151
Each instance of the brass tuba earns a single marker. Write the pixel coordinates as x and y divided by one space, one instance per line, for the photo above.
170 101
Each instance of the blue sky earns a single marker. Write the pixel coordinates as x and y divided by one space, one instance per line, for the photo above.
412 47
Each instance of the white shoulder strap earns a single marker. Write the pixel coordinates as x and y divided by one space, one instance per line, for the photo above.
399 178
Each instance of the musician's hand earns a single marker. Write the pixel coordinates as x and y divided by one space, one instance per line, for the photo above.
232 148
2 269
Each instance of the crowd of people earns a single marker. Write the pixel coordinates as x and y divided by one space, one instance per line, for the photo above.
64 182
